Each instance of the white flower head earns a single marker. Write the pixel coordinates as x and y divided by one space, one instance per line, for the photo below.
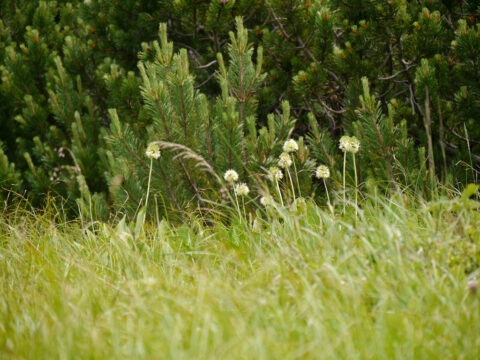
230 176
290 146
354 145
322 172
266 200
344 140
242 189
153 151
275 174
285 161
349 144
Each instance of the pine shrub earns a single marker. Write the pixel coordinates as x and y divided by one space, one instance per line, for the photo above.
86 86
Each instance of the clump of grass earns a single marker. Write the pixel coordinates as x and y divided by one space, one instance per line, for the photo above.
399 284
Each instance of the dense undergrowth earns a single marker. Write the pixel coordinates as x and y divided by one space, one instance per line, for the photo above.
398 282
249 179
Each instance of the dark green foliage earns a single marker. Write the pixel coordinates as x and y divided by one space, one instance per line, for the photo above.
232 98
199 139
9 178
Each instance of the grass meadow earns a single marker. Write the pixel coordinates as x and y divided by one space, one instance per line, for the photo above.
400 282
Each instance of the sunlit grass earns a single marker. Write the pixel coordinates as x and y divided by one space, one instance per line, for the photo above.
301 284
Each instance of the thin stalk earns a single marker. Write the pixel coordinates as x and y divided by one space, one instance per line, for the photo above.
296 178
356 186
442 144
279 192
244 211
237 206
148 186
164 208
291 183
344 166
328 197
469 152
427 120
157 215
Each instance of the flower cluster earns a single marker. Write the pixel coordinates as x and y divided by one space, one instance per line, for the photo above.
231 176
275 174
322 172
285 161
242 189
266 200
349 144
290 146
153 151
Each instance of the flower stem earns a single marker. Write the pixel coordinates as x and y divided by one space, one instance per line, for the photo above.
356 186
328 197
237 206
344 190
148 186
279 192
287 170
296 178
244 211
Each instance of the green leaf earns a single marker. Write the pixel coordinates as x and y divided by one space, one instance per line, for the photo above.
470 190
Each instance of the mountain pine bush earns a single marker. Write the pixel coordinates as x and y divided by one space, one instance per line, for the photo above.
86 86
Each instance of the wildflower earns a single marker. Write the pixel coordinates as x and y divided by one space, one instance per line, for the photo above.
349 144
322 172
230 176
285 161
242 189
344 143
354 145
290 146
266 200
153 151
275 174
